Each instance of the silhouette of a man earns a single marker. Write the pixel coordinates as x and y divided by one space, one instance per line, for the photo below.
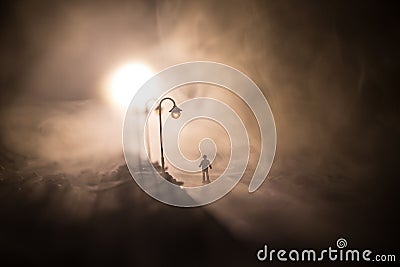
204 164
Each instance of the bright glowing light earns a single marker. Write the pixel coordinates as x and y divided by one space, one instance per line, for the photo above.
126 81
176 115
176 112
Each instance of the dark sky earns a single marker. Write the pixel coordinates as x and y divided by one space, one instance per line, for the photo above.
327 68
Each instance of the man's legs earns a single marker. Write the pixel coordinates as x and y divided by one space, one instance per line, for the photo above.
208 176
204 175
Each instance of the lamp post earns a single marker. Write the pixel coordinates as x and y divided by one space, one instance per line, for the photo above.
175 113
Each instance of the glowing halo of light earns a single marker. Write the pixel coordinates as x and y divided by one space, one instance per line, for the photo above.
126 81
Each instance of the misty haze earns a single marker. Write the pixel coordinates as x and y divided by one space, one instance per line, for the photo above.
327 69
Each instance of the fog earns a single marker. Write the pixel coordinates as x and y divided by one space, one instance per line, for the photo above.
297 59
328 71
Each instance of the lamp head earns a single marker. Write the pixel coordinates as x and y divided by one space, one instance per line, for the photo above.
175 112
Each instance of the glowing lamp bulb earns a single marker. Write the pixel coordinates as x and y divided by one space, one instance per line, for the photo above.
175 112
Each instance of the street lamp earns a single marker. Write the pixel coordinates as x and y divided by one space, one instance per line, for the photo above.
175 113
